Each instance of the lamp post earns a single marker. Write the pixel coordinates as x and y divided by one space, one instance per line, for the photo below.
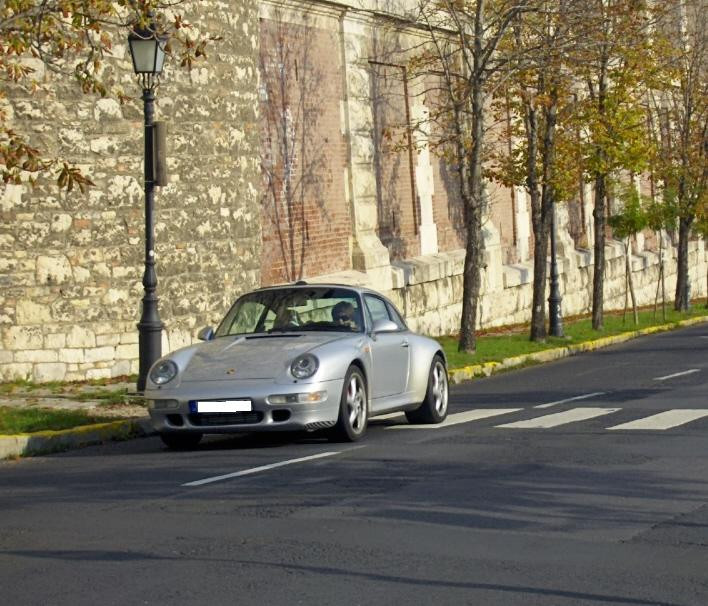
555 320
147 50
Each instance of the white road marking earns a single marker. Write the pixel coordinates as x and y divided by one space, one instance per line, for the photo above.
583 397
390 415
677 374
561 418
664 420
461 417
247 472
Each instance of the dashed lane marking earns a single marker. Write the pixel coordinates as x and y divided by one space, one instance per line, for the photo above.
583 397
678 374
664 420
246 472
461 417
560 418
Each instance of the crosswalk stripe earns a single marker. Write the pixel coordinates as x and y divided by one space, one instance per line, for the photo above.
664 420
560 418
461 417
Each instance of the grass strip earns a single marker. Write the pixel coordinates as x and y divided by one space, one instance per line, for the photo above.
16 420
500 345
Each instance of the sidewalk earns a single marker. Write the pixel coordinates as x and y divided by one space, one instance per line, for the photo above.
133 421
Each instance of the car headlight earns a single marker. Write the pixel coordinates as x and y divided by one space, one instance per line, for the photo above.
163 372
303 367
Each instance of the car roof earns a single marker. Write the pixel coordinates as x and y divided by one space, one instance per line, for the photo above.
303 285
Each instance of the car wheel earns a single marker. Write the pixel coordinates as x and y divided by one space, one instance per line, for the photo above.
353 408
180 441
434 406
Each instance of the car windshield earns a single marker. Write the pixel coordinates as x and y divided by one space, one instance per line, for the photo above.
316 308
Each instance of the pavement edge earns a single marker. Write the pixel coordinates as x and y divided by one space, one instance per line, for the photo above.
45 442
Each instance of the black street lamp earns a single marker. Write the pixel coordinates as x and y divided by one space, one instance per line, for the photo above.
147 50
555 319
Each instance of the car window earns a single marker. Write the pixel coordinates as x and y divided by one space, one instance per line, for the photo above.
289 309
250 313
376 308
396 317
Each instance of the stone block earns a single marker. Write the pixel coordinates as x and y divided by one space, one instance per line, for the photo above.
23 337
75 356
31 312
78 336
11 372
110 339
36 355
45 372
127 352
99 354
53 270
98 373
121 368
55 341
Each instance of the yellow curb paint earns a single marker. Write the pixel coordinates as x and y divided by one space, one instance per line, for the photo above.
460 374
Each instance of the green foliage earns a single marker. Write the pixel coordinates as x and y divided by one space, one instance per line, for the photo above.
632 218
661 213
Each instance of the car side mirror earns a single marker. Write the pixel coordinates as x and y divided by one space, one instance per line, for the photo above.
206 334
384 326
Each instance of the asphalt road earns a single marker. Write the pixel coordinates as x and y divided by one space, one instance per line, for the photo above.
571 502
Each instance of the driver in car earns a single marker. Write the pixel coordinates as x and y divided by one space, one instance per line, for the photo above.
344 314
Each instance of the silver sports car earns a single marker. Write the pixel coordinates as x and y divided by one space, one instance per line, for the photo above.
299 357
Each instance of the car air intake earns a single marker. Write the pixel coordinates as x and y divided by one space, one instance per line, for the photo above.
235 418
281 415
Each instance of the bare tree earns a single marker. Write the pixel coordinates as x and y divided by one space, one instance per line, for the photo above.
292 159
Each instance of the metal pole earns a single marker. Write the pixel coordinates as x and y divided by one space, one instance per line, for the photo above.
150 326
555 320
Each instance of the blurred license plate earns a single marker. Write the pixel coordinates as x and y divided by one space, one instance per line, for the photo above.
224 406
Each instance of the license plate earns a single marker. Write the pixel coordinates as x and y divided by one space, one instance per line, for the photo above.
221 406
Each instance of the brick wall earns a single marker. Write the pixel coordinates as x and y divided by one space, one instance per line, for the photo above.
300 106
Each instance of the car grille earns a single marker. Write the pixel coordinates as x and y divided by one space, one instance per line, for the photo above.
231 418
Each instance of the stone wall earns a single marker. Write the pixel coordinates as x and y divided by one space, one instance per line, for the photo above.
71 265
430 287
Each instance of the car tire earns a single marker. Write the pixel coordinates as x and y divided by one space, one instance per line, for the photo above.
433 409
179 440
353 408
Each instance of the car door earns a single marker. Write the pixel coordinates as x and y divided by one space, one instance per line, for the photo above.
390 351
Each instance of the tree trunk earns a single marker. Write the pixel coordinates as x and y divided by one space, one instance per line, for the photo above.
540 245
681 300
630 283
473 221
598 282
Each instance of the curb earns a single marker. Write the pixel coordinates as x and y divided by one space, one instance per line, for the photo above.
457 375
45 442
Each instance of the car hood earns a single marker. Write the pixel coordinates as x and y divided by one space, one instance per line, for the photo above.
251 357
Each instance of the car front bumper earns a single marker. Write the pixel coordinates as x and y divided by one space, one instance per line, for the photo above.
170 410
